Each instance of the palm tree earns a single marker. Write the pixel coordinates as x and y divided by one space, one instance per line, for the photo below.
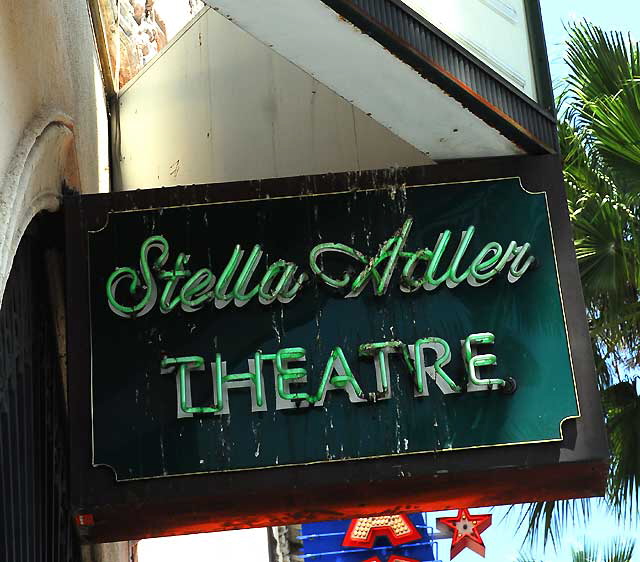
600 143
615 551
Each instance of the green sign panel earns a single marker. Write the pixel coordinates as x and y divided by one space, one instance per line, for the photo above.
310 329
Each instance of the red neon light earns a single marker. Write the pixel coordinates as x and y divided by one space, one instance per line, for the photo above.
466 531
85 520
363 532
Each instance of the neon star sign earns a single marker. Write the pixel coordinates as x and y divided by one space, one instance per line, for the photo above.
363 532
390 538
465 530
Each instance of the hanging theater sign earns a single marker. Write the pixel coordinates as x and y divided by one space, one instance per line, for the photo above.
375 341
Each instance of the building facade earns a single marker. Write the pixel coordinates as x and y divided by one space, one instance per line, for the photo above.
54 137
104 96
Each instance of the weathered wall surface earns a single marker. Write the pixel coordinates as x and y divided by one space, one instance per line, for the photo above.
218 105
52 111
48 64
54 130
137 30
108 552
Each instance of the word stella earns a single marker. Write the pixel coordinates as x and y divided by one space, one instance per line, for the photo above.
193 290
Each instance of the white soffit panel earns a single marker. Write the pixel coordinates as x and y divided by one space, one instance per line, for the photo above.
355 66
252 115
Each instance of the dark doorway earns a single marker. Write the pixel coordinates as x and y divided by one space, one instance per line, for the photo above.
35 523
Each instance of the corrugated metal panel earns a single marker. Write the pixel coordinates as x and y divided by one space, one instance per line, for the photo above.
35 523
442 61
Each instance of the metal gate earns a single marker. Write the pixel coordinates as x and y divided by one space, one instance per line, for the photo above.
35 523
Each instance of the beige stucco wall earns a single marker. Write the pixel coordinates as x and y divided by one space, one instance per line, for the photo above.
52 113
48 65
53 128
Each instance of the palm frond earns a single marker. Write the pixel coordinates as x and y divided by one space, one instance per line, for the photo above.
549 518
617 550
599 62
603 95
622 410
588 553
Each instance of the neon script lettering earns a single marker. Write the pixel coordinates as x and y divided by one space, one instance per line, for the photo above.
238 283
424 360
191 290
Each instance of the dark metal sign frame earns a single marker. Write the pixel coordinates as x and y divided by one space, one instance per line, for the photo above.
573 467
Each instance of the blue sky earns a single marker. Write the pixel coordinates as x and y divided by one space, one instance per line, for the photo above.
504 542
618 15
